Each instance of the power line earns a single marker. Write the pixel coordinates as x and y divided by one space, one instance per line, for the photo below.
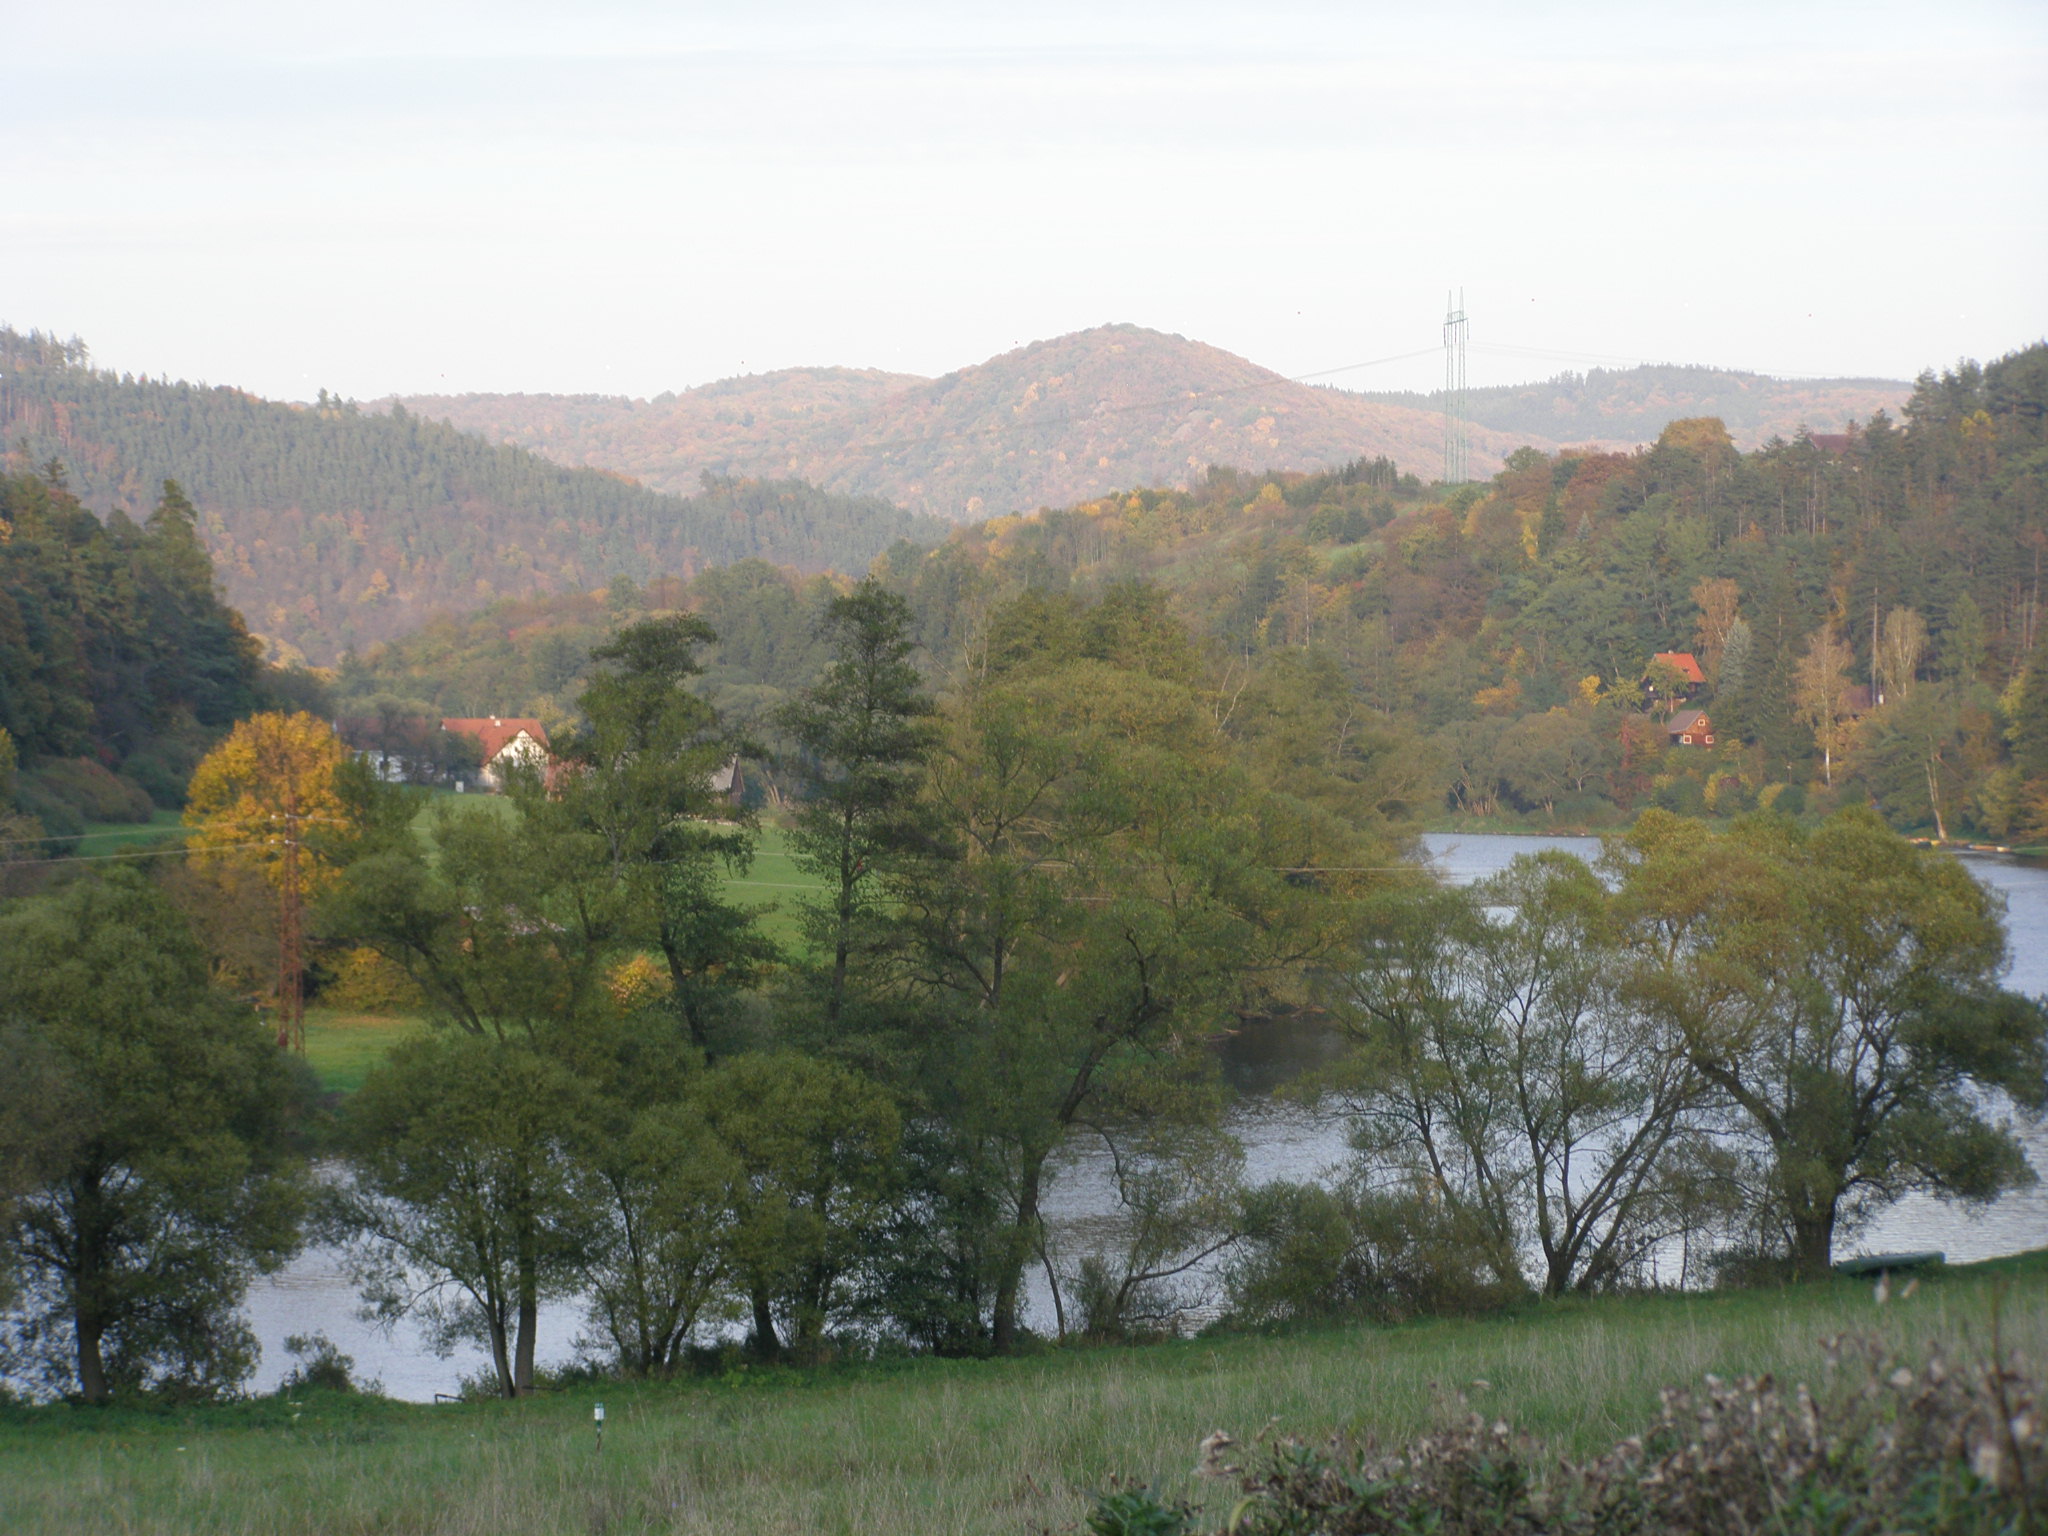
145 853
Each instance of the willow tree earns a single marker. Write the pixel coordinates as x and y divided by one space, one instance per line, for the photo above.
1109 884
1838 991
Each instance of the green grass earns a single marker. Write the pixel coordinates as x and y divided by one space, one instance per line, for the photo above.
960 1447
124 836
342 1046
775 882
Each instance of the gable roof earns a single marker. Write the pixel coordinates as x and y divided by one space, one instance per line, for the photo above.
495 732
1684 721
1684 661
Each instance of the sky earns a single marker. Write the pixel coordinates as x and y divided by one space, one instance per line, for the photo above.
429 197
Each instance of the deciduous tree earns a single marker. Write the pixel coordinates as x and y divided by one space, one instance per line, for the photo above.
151 1166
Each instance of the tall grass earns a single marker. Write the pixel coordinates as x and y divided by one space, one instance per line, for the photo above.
940 1446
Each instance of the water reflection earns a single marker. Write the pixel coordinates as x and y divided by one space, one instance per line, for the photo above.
1281 1141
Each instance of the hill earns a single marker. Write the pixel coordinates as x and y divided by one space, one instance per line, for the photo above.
1619 408
1045 425
334 527
1111 408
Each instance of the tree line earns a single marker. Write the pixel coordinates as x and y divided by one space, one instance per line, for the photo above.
1047 881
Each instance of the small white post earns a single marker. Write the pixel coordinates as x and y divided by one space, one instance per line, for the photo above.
597 1413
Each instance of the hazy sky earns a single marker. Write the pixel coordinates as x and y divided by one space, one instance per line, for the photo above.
627 198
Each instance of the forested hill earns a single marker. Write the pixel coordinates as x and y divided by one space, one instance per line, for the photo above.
1623 407
1063 420
1044 425
334 527
1867 615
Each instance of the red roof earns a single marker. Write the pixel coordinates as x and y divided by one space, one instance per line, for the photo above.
1683 660
494 731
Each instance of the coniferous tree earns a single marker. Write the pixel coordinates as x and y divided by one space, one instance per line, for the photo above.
862 731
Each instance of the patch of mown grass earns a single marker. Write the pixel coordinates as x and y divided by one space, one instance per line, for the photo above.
774 881
959 1446
342 1046
126 836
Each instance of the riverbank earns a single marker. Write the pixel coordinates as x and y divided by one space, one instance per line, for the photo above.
946 1445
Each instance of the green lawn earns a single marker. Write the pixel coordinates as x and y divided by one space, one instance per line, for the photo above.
124 836
774 881
341 1046
959 1447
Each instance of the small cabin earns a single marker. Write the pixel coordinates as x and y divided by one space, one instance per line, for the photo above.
1673 675
508 742
1690 728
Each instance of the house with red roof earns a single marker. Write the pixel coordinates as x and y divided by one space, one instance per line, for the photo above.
1673 677
507 741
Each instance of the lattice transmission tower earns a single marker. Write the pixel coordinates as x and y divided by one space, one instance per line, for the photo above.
1454 390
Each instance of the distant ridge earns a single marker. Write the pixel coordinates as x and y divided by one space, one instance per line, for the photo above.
1047 424
1618 408
1111 408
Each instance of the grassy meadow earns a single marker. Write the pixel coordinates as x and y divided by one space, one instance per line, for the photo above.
953 1446
126 837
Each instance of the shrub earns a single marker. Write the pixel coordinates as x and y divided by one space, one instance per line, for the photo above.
1681 796
364 980
164 766
1728 795
93 792
1137 1511
1884 1447
322 1367
637 982
1309 1252
59 818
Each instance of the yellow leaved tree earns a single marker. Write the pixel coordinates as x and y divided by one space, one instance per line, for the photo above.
251 803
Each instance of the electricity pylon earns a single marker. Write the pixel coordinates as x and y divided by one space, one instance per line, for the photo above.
1454 390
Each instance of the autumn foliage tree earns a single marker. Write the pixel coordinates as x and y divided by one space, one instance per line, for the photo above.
269 797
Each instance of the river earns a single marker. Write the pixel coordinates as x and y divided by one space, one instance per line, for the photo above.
313 1294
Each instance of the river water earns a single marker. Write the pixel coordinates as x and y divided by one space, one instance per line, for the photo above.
1279 1142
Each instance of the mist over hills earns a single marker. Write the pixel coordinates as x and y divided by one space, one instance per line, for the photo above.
1110 408
1619 408
334 527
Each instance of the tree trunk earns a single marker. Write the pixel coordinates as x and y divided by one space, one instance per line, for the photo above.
92 1371
529 1319
1813 1244
1009 1288
766 1345
501 1359
1934 800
